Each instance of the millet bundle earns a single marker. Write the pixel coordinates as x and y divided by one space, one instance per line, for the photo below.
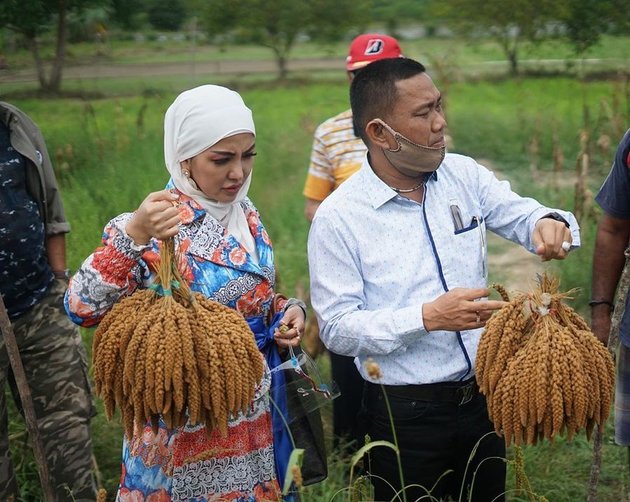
542 369
170 353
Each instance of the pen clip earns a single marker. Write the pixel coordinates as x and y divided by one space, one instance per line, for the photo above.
457 217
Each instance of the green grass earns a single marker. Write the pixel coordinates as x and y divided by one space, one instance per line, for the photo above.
108 154
460 52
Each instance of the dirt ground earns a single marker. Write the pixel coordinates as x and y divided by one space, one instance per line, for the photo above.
188 68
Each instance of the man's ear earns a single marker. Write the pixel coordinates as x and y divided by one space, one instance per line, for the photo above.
378 135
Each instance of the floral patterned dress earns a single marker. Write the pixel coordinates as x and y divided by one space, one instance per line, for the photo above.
186 464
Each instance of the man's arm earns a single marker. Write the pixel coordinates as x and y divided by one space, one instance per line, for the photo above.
310 207
608 260
56 252
319 182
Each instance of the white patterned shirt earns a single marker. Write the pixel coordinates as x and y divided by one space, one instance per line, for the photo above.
376 257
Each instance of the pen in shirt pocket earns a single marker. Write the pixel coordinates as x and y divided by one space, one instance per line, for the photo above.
457 217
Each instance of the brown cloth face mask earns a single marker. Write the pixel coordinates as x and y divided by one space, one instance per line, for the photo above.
410 156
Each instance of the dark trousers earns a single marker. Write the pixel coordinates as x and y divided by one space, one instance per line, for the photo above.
347 406
434 438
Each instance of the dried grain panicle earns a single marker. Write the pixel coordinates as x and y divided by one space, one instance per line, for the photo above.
543 372
168 353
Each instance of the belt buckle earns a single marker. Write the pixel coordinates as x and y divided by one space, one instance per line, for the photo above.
467 393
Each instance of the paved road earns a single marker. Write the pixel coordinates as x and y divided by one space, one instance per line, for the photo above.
104 70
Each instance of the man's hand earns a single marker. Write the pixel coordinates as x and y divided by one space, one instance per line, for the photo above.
548 237
460 309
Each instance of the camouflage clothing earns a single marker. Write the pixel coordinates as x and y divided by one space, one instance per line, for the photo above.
50 346
55 363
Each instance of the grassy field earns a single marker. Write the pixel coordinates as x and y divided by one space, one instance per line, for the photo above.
173 48
108 154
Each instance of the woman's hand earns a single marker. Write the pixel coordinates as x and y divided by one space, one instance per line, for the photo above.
291 328
156 217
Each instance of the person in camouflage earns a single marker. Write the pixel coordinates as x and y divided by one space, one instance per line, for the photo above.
33 279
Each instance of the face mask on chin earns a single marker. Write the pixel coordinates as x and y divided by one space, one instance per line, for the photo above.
410 157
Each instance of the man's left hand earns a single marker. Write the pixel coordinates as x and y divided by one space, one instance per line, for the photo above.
548 237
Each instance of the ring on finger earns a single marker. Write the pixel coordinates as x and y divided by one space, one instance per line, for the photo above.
478 317
566 246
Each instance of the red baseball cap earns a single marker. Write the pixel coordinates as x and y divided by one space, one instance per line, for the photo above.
370 47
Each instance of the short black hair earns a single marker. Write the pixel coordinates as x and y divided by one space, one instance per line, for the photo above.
373 89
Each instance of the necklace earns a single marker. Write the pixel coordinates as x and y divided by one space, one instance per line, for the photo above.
407 190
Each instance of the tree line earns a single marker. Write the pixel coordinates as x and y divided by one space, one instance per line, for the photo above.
278 24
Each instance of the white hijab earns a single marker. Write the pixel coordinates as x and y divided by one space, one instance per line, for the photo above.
198 119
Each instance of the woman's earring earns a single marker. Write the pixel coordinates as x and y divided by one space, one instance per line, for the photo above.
186 174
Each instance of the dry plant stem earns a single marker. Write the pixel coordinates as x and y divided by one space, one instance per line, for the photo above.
24 391
613 341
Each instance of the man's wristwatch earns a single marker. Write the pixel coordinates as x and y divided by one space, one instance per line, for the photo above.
557 217
64 275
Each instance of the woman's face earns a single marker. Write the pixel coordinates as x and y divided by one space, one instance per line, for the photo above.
220 171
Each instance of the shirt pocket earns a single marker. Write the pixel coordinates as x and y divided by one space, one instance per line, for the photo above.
470 244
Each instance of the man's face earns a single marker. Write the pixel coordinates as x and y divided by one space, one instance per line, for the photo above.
418 113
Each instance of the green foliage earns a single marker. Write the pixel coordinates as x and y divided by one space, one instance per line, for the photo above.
278 23
586 21
507 21
28 17
108 155
166 14
32 19
396 13
126 13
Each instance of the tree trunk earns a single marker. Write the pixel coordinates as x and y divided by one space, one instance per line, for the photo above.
60 56
39 65
282 66
513 58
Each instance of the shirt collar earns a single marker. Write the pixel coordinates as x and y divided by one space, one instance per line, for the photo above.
376 189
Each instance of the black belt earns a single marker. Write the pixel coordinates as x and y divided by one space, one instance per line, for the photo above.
444 392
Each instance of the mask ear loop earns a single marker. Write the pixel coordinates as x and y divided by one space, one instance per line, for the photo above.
392 132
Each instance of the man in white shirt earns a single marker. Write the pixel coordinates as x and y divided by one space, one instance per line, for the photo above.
336 155
398 269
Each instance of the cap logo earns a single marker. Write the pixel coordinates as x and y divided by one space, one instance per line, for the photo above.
374 46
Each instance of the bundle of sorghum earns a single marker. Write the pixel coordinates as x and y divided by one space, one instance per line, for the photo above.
167 352
542 369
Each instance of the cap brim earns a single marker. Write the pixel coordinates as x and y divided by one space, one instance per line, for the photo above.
357 65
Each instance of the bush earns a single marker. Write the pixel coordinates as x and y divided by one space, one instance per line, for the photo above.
167 14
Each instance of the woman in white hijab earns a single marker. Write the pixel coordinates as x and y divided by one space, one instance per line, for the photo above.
209 149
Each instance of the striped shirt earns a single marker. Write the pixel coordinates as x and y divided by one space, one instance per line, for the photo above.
337 154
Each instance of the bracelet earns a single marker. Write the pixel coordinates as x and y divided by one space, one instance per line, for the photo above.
63 275
594 303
